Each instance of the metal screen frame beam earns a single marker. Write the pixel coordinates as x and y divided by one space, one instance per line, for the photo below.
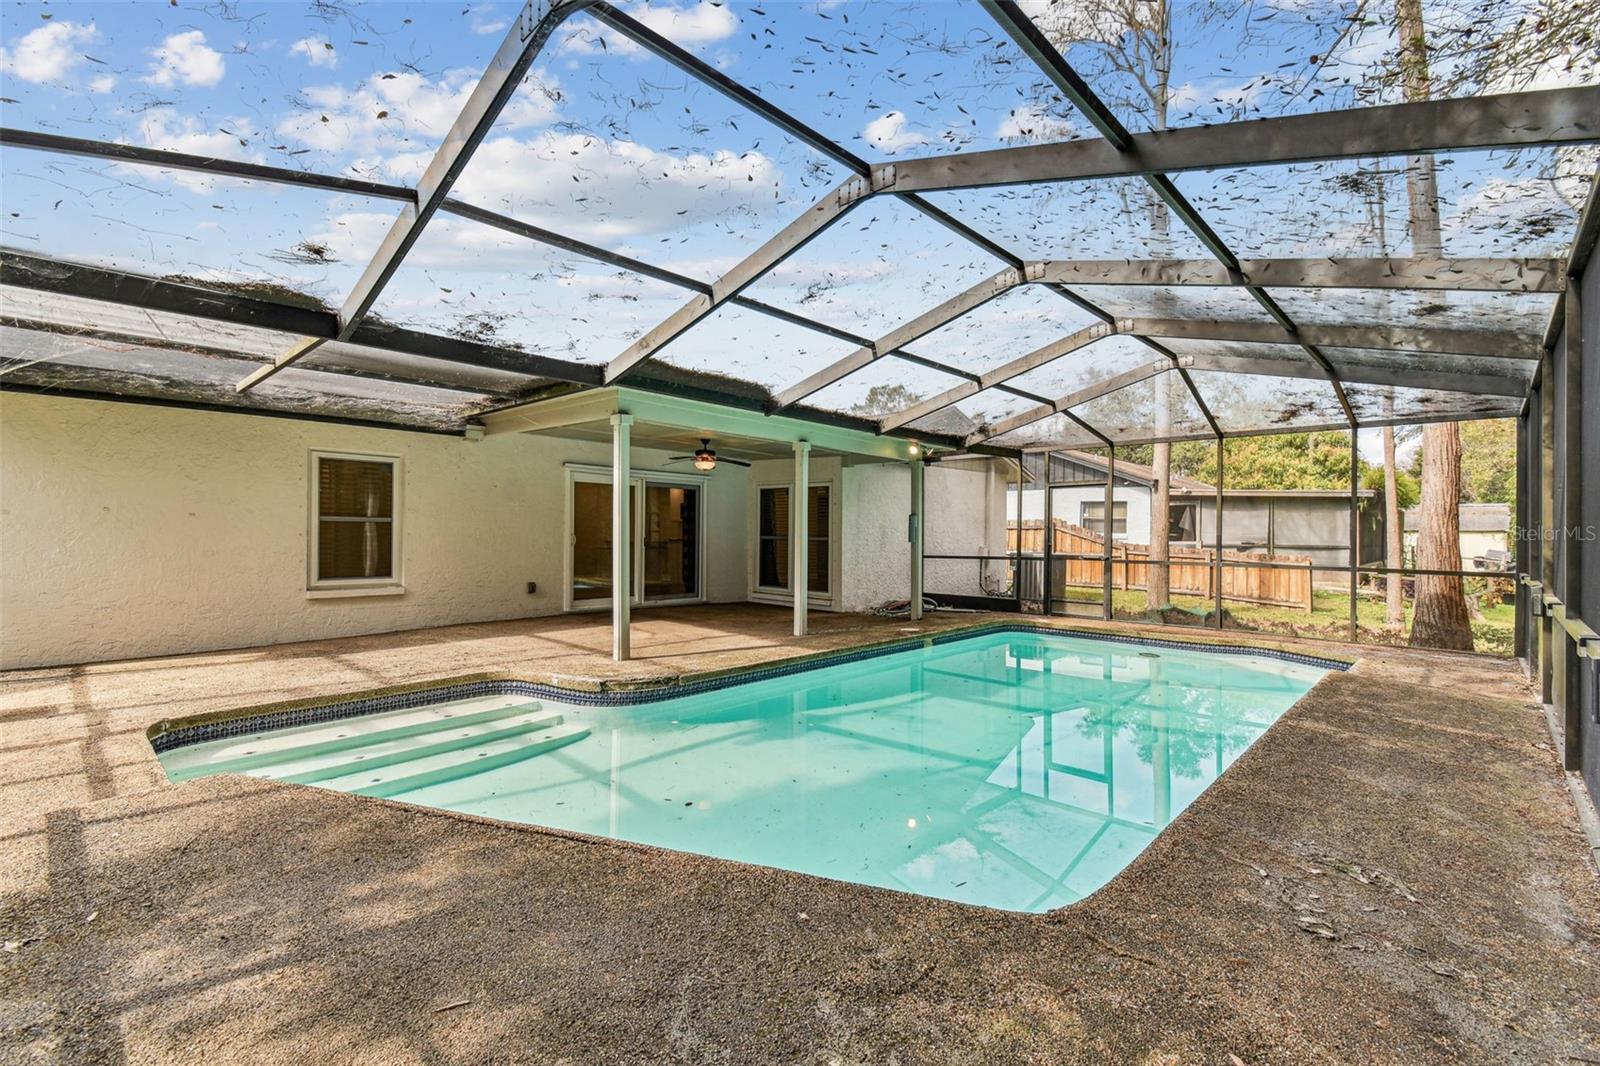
996 378
1485 274
1486 343
200 164
1054 66
1397 376
1072 399
42 274
529 31
963 303
165 159
698 69
833 206
1478 274
1506 120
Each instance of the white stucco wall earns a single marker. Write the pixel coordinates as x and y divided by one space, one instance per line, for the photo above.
964 515
132 530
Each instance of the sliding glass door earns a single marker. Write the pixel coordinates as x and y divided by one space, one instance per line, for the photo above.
671 565
666 540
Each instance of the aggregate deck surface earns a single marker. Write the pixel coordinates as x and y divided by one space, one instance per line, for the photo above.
1394 873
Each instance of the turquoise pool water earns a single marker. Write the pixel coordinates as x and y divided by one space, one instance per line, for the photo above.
1013 770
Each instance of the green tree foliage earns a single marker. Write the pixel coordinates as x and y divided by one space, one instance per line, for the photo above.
1280 461
886 399
1406 485
1489 461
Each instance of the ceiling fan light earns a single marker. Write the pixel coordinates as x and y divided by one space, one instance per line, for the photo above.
705 462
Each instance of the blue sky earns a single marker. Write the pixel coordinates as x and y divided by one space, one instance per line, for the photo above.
611 145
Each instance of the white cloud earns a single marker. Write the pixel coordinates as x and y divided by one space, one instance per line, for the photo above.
163 128
888 133
1231 98
484 20
185 58
103 84
317 52
688 24
49 52
623 191
1030 124
381 114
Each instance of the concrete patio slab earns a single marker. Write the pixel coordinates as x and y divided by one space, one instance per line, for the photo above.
1393 873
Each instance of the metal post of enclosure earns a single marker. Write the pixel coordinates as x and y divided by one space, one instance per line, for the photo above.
1016 565
1547 519
800 536
1046 541
621 539
1571 519
1218 560
1106 611
1520 545
1355 531
914 535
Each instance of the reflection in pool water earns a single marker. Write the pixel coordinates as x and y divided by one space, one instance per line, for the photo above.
1019 771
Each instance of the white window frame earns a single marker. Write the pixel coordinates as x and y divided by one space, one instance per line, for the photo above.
601 475
393 584
768 594
1083 518
1195 506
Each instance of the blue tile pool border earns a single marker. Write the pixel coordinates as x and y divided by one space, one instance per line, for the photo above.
178 735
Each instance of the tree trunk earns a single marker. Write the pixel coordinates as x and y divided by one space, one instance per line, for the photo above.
1439 617
1158 588
1394 593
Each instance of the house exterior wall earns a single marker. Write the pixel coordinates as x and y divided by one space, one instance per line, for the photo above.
1318 526
135 530
1474 544
822 470
1067 506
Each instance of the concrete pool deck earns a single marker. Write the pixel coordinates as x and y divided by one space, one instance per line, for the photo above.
1393 873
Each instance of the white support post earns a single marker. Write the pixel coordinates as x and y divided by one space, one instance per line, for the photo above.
800 535
621 539
914 535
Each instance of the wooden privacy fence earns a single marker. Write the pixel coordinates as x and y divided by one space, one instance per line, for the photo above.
1192 571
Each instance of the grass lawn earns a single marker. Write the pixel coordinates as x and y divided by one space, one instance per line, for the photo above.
1329 617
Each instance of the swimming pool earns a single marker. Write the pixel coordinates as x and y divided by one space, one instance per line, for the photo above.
1017 770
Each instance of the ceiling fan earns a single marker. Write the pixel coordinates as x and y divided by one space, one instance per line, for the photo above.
704 458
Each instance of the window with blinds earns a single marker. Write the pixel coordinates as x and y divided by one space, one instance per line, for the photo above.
772 552
356 536
1092 516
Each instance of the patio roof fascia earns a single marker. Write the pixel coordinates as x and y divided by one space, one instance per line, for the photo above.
594 405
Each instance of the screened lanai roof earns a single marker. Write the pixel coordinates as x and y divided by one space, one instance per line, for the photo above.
986 224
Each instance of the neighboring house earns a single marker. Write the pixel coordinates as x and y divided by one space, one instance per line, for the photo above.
1485 534
1310 522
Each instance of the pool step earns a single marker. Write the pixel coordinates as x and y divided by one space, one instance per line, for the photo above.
453 765
270 750
409 748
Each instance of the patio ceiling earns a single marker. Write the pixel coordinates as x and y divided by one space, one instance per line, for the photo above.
610 199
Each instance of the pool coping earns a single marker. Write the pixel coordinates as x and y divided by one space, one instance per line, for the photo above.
168 734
